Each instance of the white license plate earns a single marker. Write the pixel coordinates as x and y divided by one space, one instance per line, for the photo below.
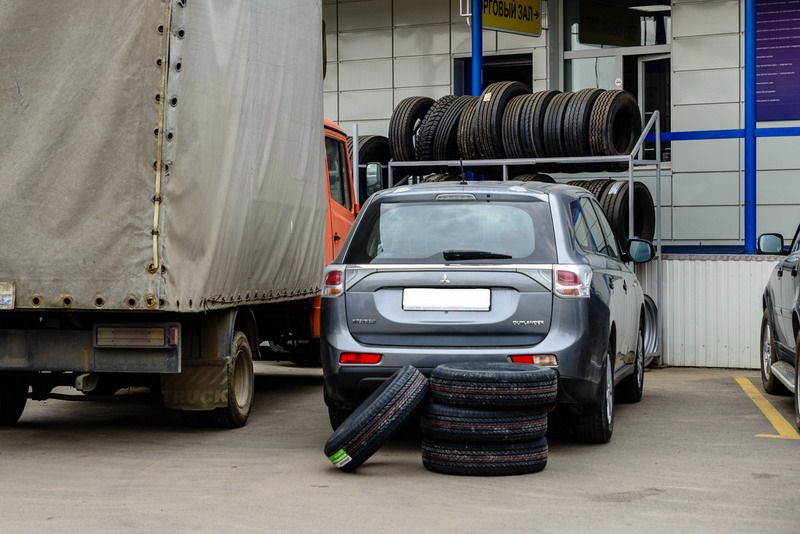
426 299
6 295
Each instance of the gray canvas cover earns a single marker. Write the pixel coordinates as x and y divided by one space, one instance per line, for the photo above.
160 154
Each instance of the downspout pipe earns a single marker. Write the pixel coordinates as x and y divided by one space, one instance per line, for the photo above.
750 147
477 47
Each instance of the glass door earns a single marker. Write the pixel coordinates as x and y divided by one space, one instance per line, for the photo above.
654 94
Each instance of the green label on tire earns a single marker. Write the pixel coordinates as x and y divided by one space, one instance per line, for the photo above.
340 458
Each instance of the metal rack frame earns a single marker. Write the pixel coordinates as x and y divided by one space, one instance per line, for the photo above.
634 160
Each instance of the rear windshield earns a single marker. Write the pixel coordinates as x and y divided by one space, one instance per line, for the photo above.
469 231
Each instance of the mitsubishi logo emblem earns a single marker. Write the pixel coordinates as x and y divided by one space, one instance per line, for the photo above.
444 280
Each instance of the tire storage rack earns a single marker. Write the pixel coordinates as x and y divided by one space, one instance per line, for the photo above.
634 161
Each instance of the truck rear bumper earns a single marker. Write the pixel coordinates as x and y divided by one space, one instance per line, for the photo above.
74 350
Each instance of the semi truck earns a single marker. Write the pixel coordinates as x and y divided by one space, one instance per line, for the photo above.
169 196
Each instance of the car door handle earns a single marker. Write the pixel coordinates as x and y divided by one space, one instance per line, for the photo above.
625 286
336 238
794 271
780 272
610 282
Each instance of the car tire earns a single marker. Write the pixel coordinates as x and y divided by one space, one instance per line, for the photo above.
576 122
595 424
489 116
532 128
494 384
443 422
13 398
797 383
241 385
554 118
376 419
403 125
483 459
769 381
467 132
631 388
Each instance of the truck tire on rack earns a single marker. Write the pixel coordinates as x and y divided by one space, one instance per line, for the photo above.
241 385
614 126
651 336
532 128
536 177
376 419
494 384
554 125
443 422
445 140
13 398
467 142
423 143
439 177
403 126
512 128
599 187
484 459
614 202
576 125
371 149
489 116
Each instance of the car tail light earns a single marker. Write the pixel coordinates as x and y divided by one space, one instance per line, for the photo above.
573 281
547 360
333 283
362 358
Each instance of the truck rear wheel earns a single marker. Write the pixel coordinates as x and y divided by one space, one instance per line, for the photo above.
241 385
13 397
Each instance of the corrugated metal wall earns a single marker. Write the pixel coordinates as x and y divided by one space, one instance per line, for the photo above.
711 308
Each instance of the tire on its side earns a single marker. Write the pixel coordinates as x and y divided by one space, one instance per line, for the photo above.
595 423
241 385
13 398
769 356
376 419
494 384
405 121
443 422
484 459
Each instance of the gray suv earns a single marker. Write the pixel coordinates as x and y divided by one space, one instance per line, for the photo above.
495 271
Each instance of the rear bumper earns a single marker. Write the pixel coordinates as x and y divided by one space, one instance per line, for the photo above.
572 338
74 351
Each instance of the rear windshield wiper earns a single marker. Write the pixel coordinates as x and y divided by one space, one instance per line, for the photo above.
459 255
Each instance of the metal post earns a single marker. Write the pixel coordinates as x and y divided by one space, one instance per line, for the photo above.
477 47
391 176
356 162
505 173
660 258
630 197
750 149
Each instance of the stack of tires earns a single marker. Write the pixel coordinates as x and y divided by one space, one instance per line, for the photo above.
487 418
508 121
613 195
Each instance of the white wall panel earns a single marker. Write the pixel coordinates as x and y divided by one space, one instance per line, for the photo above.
370 44
705 223
461 39
705 117
512 41
705 87
367 127
422 40
433 91
706 189
707 17
708 155
365 105
780 187
780 219
711 308
779 153
420 12
365 14
714 52
331 82
422 70
330 103
370 74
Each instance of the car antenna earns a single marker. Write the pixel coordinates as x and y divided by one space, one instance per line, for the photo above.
463 174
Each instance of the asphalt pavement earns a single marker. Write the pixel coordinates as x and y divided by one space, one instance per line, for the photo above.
691 457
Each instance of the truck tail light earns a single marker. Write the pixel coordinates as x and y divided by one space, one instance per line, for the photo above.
333 283
546 360
572 281
360 358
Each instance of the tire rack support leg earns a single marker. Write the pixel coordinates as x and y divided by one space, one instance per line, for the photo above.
750 150
477 47
630 197
356 164
659 265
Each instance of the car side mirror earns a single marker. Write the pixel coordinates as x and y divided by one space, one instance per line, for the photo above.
374 179
640 250
770 244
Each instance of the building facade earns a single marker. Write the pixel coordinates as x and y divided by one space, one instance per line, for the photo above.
684 58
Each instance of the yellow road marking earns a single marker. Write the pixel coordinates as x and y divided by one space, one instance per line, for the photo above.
782 426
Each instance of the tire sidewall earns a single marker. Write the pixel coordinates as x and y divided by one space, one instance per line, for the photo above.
608 371
765 327
240 368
